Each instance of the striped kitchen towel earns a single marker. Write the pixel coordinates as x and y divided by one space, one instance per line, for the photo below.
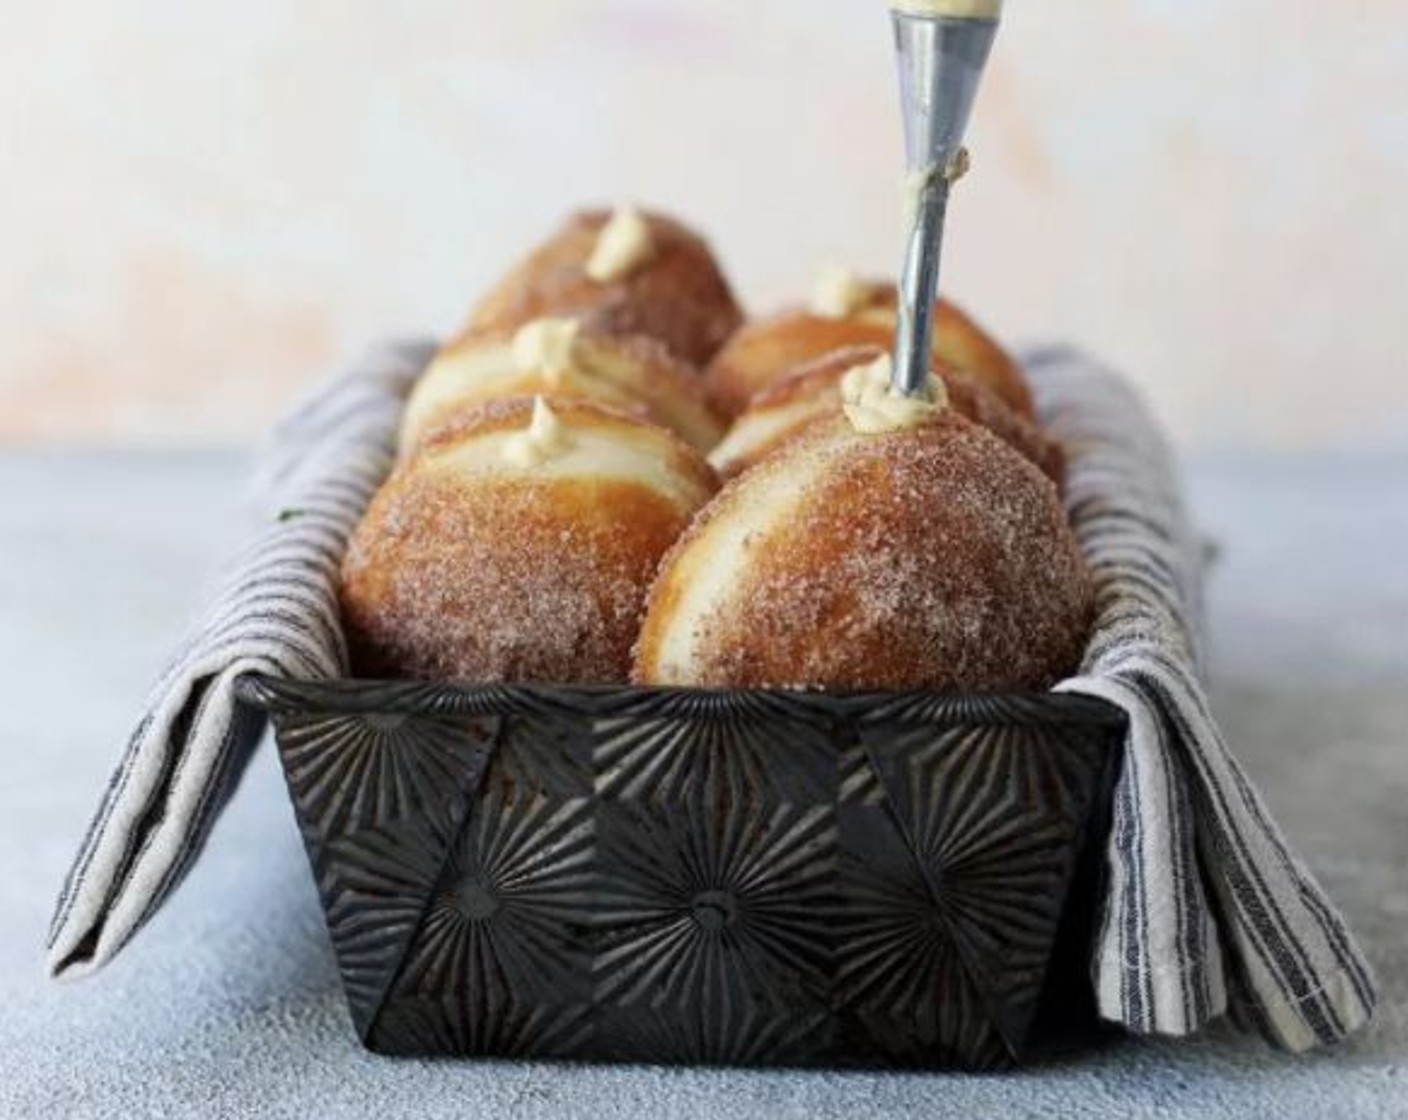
1204 899
274 613
1205 905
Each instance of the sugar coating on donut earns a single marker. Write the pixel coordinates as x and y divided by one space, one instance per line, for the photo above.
473 565
593 269
929 558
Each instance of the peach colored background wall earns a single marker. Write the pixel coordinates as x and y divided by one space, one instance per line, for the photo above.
202 204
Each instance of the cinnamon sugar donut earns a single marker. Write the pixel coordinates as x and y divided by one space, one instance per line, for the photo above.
786 407
518 545
899 546
847 311
624 272
561 358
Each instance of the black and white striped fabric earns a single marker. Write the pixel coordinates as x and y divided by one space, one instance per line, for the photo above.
1205 901
275 613
1206 907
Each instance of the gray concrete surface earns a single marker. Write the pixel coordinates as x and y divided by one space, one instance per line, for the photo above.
227 1005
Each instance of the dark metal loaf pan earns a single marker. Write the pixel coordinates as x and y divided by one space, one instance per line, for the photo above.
698 877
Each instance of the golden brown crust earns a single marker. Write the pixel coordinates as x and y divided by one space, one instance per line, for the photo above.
650 383
927 558
764 350
511 574
814 391
679 296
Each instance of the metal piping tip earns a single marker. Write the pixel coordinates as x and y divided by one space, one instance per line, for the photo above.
941 61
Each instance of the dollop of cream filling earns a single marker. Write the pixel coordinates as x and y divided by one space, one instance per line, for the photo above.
543 440
953 9
873 407
915 183
548 346
838 293
623 245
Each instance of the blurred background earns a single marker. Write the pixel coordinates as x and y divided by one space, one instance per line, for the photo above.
204 205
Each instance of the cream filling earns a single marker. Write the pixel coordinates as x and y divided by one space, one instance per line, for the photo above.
915 183
547 345
950 9
481 373
611 454
544 440
622 246
838 293
873 407
570 364
912 188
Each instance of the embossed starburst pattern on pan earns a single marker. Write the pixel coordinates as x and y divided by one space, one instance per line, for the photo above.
374 885
701 904
542 753
509 914
359 770
666 876
992 820
757 748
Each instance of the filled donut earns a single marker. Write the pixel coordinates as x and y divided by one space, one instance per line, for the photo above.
518 544
625 272
787 407
895 546
561 358
847 311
